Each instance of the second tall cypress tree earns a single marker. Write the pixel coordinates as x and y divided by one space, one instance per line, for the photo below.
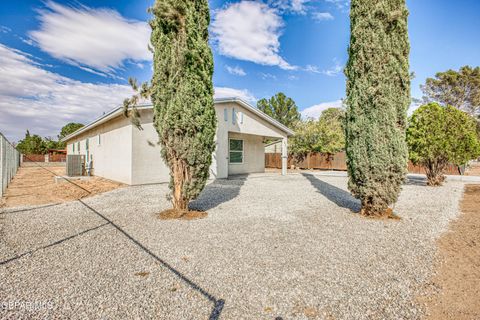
378 96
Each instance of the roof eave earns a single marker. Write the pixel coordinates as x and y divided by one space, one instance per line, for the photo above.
117 111
245 104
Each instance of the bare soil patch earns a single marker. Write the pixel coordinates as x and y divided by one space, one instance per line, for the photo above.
458 269
171 214
473 169
386 215
36 186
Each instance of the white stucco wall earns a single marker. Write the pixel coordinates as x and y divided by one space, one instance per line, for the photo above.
148 166
132 156
253 154
244 122
112 158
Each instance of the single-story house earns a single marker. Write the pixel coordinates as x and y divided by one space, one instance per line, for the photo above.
115 149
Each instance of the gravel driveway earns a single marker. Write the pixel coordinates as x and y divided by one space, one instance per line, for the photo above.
272 247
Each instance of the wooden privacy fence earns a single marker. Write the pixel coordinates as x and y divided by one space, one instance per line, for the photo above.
44 157
335 161
312 161
450 169
57 158
33 158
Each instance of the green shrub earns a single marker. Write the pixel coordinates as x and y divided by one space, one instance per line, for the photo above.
437 136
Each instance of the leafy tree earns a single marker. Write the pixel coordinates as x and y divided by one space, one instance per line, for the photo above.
305 140
332 135
69 129
281 108
182 94
32 144
378 95
53 144
438 136
460 89
325 135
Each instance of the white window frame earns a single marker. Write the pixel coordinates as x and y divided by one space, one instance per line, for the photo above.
243 151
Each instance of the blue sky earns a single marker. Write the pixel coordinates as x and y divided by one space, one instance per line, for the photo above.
68 61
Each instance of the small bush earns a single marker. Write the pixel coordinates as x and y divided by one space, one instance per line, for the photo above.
437 136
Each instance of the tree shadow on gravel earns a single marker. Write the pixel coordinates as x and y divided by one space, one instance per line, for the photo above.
51 244
218 304
338 196
218 192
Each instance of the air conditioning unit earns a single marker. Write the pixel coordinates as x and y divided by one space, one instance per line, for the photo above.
75 165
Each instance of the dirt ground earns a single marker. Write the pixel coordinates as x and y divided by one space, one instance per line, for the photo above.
458 269
473 169
36 185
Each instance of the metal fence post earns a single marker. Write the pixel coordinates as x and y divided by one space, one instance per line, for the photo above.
9 163
1 165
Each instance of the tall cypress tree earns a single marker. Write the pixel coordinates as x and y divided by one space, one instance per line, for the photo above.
378 96
182 94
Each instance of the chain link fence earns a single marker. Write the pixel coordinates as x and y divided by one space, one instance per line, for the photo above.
9 163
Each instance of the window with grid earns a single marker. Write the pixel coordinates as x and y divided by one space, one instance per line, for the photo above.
236 151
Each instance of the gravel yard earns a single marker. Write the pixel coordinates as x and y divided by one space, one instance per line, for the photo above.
271 247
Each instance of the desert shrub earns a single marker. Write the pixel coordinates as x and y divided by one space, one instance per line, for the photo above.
437 136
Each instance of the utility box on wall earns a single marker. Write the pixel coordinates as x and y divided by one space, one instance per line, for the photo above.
75 165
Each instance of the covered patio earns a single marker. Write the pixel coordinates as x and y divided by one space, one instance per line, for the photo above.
241 135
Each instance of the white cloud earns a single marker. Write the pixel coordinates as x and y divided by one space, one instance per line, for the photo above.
335 70
42 101
322 16
316 110
224 92
99 39
4 29
250 31
294 6
266 76
27 41
340 4
236 71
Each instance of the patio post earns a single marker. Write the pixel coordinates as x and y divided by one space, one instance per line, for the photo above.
284 156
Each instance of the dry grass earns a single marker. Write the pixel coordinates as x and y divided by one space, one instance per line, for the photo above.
36 186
